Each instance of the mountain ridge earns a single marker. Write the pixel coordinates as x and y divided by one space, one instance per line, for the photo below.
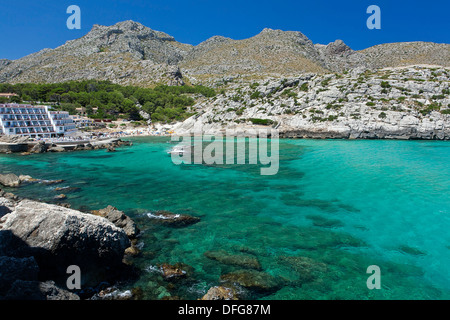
130 53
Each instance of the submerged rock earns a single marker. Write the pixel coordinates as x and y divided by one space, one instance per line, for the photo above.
172 219
411 250
323 222
307 269
68 189
241 260
253 280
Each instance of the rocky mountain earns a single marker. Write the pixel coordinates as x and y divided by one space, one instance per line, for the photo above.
130 53
407 53
272 52
125 53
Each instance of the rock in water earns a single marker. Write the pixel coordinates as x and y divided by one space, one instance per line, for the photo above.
59 237
119 219
172 219
60 197
241 260
172 272
9 180
39 147
56 149
253 280
220 293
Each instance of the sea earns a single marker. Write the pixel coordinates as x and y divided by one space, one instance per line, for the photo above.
335 211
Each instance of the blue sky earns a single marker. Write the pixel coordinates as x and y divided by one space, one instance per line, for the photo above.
29 26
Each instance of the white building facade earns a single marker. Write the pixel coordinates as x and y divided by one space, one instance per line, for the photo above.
34 121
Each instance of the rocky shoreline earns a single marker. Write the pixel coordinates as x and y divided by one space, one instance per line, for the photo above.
409 103
13 144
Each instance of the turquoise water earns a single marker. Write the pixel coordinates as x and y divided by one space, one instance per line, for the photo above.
334 208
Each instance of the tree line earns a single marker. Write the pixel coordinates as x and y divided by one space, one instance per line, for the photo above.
104 99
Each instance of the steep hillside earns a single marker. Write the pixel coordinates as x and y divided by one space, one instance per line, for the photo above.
399 103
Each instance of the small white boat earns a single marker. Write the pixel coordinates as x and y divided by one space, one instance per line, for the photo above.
180 150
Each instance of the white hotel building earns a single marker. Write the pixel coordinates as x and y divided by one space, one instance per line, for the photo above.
34 121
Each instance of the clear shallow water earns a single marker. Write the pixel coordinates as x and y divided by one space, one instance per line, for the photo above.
334 208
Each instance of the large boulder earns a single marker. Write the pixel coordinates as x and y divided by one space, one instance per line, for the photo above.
10 180
59 237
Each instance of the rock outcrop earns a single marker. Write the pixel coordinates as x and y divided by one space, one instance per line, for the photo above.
40 241
119 219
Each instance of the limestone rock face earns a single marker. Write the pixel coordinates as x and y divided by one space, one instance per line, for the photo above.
394 103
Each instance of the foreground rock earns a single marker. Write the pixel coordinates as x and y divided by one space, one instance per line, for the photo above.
220 293
119 219
58 237
173 220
